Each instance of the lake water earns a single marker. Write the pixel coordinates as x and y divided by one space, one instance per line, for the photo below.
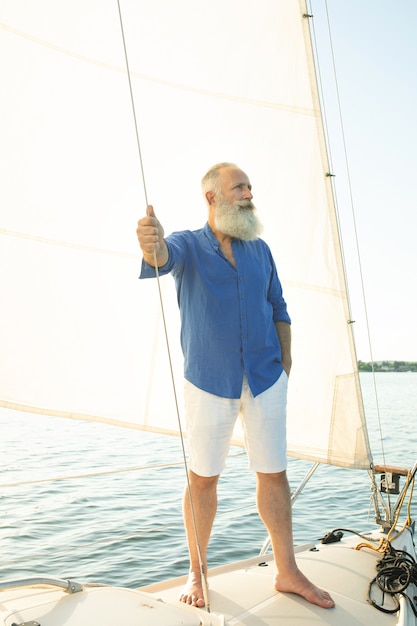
100 503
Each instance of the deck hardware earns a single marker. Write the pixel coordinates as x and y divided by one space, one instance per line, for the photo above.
69 586
390 482
332 536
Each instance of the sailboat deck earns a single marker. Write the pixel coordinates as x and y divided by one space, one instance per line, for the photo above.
241 594
244 593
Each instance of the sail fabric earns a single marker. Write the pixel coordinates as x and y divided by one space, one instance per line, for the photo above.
80 335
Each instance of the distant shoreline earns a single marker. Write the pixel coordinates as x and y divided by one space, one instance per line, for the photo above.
388 366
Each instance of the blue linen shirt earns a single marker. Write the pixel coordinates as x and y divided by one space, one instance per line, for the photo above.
228 313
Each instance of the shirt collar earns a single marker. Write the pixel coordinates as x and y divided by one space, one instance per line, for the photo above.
210 236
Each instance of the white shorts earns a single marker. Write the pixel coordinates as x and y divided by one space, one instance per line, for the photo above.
211 419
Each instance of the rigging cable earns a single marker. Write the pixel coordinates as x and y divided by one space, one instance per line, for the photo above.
385 542
354 223
198 548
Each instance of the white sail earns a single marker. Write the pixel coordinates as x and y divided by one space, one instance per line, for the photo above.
80 336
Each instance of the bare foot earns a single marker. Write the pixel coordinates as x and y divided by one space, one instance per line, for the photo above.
299 584
193 590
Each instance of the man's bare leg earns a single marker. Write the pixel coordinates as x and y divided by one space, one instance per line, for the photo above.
204 497
274 506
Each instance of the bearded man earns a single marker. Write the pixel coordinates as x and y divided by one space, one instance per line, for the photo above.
236 341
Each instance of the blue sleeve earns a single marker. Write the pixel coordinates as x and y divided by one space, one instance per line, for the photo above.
175 258
275 296
147 271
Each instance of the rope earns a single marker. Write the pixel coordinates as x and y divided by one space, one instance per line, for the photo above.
396 571
192 510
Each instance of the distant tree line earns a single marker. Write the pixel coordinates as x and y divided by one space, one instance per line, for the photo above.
388 366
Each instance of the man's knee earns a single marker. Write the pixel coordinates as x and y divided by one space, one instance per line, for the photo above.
202 482
273 477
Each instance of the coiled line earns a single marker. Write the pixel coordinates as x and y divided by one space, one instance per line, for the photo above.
397 569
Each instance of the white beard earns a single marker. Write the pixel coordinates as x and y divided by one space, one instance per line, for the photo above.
237 219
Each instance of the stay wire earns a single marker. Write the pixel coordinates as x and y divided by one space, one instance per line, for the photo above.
355 227
359 257
162 308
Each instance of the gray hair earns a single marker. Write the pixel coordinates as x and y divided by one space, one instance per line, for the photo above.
211 180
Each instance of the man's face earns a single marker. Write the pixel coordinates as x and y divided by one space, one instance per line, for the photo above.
234 210
235 185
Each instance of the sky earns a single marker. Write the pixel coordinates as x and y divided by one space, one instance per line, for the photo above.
375 51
